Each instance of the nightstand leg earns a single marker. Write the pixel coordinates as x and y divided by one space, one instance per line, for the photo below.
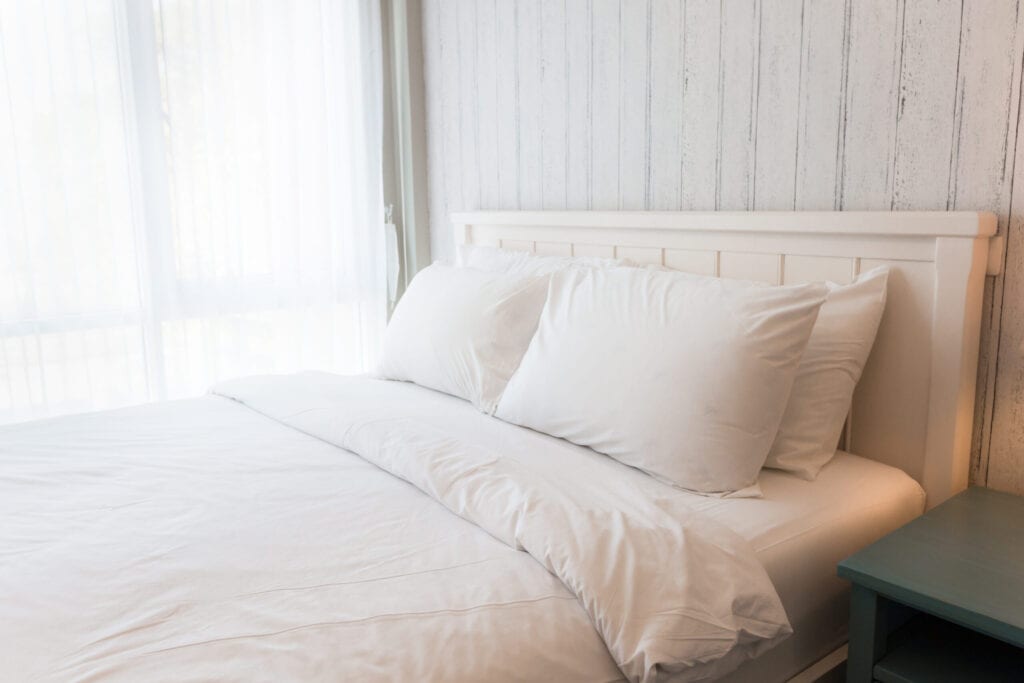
868 633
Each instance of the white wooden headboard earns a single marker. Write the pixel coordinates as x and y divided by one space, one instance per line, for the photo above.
914 406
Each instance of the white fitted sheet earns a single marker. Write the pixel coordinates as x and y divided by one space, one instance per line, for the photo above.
801 530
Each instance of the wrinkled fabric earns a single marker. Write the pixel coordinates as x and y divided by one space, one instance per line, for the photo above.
669 591
202 540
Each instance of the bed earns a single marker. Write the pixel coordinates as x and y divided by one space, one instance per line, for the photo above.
269 531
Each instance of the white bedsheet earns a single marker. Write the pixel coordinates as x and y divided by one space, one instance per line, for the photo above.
800 530
200 540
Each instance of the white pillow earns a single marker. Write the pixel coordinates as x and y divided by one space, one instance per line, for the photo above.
685 377
524 263
828 373
462 331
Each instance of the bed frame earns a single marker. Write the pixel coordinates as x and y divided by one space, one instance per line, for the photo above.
914 406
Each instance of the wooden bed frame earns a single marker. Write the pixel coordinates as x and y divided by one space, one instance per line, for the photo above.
914 407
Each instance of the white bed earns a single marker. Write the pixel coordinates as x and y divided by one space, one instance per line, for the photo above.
237 536
201 539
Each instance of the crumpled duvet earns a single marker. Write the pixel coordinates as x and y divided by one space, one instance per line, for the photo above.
672 594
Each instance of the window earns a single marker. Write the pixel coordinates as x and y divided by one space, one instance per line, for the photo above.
189 190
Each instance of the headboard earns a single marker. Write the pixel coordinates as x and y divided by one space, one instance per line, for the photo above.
914 406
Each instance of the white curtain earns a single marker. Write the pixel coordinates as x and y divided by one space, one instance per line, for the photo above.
189 190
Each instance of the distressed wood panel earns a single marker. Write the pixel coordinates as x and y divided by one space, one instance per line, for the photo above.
468 95
703 104
701 55
982 166
451 115
634 89
665 98
605 129
872 86
778 101
507 121
822 80
528 30
486 113
554 105
924 122
737 104
579 70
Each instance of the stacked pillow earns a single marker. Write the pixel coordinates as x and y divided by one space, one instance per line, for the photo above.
462 331
696 380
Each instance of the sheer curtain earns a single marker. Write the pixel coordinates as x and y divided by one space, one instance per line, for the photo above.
189 190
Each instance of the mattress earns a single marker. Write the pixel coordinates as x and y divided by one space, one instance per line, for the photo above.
200 539
801 530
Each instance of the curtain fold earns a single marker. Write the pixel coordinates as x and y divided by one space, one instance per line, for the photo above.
189 190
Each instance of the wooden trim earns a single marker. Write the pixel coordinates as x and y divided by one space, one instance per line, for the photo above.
879 223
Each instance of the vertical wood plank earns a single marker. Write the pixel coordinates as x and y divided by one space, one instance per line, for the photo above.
468 99
872 85
821 94
451 115
508 105
739 32
432 73
634 89
924 121
528 30
701 57
987 101
666 105
604 133
778 100
982 168
554 103
578 42
486 114
1005 457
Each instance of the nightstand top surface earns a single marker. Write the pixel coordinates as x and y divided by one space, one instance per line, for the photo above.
962 561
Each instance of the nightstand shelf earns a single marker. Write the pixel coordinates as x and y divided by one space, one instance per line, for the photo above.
935 651
962 564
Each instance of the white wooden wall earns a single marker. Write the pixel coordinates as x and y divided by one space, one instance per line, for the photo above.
738 105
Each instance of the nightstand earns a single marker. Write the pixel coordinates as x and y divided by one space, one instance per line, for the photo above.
942 598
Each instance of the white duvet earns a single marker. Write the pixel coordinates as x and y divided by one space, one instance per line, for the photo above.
301 528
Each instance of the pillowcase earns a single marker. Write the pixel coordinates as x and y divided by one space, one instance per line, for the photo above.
524 263
827 375
683 376
462 331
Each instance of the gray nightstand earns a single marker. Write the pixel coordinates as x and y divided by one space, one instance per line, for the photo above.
942 598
